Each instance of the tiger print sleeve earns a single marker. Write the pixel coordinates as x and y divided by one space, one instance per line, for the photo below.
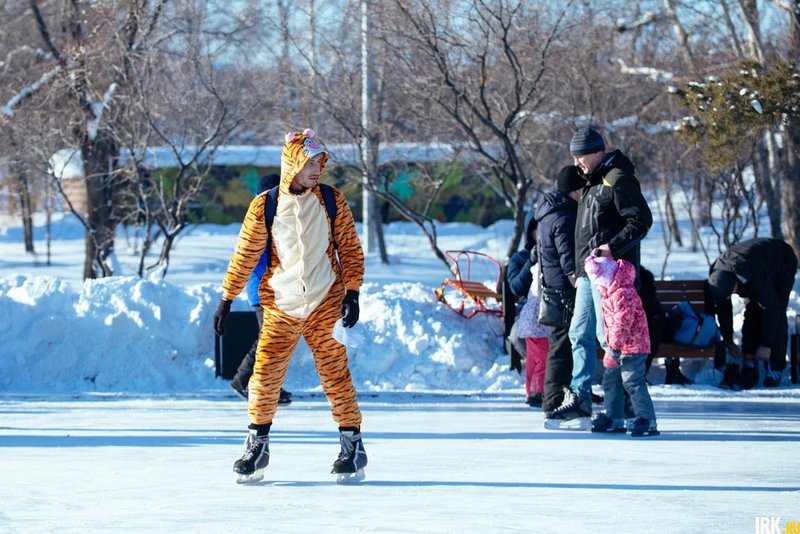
249 248
351 255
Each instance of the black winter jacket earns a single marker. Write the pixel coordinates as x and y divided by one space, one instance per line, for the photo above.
761 266
612 211
556 214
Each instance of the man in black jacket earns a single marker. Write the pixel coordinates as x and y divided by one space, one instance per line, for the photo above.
762 272
556 214
613 217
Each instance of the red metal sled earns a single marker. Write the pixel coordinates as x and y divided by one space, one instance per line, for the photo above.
469 297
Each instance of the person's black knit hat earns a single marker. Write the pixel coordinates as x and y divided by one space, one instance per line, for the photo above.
721 284
268 181
569 179
586 141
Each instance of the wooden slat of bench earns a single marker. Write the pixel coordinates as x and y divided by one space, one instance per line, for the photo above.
671 292
667 350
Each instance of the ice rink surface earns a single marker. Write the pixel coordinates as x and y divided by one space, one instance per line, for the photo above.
437 463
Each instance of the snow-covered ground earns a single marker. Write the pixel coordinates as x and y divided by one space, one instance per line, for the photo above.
155 463
113 419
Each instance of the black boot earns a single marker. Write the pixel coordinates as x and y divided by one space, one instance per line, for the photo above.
285 397
748 378
239 388
731 378
534 401
674 375
772 378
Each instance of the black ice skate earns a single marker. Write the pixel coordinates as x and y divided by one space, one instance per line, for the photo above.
773 378
285 397
250 466
748 376
349 467
573 414
643 427
603 423
731 378
239 388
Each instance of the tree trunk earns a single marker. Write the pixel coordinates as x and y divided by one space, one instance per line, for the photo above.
752 20
669 209
99 161
519 222
791 156
21 187
791 186
25 209
682 37
763 176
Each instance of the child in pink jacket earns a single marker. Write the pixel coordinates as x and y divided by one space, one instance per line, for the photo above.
629 343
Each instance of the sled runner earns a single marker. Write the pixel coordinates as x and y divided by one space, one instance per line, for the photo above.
468 297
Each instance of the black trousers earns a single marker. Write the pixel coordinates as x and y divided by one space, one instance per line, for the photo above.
245 369
751 327
558 370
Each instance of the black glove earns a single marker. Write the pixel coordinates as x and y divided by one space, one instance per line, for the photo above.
349 309
220 315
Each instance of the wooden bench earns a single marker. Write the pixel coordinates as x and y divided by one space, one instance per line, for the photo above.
668 292
671 292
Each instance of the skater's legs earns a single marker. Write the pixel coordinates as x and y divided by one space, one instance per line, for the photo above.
535 360
583 334
245 369
614 398
330 359
277 342
633 372
558 368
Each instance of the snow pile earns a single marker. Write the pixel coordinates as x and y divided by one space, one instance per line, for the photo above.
132 335
124 334
117 334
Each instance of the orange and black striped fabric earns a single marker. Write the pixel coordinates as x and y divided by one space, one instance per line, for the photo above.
280 331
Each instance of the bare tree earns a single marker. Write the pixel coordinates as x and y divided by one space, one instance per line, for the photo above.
125 75
89 76
483 64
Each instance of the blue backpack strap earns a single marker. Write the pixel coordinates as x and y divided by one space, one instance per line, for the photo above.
271 206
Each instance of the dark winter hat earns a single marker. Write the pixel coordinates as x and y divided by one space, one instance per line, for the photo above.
569 179
586 141
721 284
268 181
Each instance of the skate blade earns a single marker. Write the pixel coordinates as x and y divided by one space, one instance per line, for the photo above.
609 431
578 423
350 478
257 476
644 434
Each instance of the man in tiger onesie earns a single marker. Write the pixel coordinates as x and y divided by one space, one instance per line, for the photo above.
304 290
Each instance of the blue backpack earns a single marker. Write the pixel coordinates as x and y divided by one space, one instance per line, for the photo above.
692 329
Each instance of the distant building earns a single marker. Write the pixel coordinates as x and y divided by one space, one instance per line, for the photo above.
67 164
